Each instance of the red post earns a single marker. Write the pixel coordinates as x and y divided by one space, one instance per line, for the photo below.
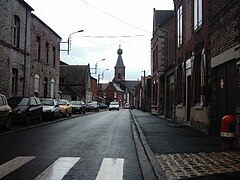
228 126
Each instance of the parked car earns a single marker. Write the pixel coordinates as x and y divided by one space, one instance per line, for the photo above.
5 113
50 108
65 107
114 105
127 106
78 107
26 109
92 106
103 106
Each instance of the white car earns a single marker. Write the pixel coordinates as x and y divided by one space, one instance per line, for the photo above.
127 106
114 105
50 108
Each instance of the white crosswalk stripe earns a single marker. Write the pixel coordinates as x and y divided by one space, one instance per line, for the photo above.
14 164
111 169
58 169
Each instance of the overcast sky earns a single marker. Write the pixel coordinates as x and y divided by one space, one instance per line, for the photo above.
106 24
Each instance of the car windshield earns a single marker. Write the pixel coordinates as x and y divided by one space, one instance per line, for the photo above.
18 101
63 102
47 102
114 103
76 102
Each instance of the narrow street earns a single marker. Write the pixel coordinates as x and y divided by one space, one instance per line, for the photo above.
96 146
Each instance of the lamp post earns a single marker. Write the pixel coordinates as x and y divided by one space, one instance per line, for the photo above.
69 41
96 65
144 94
99 81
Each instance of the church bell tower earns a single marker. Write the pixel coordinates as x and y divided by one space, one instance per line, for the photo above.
119 68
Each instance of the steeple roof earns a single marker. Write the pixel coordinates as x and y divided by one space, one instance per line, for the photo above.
119 63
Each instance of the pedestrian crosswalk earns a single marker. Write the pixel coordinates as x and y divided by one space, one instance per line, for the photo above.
111 168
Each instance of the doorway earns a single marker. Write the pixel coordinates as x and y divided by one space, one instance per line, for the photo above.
225 93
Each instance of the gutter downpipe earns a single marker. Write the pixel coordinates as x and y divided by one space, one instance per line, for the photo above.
25 53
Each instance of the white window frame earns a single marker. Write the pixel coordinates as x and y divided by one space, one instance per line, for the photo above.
52 88
36 83
180 26
198 14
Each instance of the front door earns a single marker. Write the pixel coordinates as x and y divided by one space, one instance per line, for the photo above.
225 93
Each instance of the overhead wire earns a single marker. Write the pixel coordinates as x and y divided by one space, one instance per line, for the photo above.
114 16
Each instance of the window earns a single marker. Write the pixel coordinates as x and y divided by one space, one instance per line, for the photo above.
47 53
197 14
36 84
179 25
61 80
52 88
180 97
197 74
155 58
14 81
38 48
2 101
16 32
115 95
54 56
33 102
119 76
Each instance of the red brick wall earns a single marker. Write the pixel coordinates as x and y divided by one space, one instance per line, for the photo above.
224 29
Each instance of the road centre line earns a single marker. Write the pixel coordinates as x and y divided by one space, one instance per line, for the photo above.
111 169
14 164
58 169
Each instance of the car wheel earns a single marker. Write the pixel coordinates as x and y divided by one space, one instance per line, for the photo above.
8 124
40 118
64 114
27 119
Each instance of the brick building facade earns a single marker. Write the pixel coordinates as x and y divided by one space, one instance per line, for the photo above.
15 27
44 60
225 60
201 84
29 53
192 63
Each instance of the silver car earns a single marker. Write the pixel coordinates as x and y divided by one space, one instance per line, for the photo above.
5 113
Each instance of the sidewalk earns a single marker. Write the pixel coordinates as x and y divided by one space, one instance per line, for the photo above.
178 151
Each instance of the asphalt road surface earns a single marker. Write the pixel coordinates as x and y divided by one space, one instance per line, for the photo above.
96 146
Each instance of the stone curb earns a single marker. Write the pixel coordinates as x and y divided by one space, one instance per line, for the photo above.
152 159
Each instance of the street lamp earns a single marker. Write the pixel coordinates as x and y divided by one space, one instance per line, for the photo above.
96 65
69 41
144 93
99 81
103 73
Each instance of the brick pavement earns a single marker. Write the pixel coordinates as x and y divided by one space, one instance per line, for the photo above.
187 165
180 152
